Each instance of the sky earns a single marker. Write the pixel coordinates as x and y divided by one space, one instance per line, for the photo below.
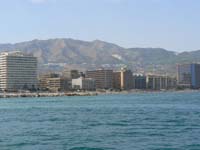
169 24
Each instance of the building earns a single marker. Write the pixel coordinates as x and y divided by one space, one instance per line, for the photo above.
184 75
139 82
126 79
158 82
103 78
56 84
53 82
68 75
123 79
82 83
49 75
43 80
18 71
195 78
116 80
188 75
71 74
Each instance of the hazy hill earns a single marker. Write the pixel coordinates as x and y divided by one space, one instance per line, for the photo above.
58 53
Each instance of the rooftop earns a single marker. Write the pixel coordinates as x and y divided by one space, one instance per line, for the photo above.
16 53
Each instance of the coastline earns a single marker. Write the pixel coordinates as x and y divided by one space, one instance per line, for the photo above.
44 94
87 93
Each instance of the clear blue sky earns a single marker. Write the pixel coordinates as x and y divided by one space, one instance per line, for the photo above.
170 24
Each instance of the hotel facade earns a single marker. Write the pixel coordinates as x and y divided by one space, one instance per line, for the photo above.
18 71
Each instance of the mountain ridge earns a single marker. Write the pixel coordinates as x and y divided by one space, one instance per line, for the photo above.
59 53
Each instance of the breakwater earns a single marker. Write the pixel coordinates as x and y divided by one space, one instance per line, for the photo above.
45 94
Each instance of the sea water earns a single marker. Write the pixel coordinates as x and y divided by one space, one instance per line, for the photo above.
152 121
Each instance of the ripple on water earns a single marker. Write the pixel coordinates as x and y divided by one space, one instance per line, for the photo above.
86 148
117 122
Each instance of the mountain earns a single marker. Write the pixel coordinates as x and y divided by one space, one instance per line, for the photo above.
70 53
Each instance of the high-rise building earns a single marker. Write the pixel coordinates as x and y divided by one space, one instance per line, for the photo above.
18 71
195 69
188 75
123 79
184 75
103 78
117 80
139 82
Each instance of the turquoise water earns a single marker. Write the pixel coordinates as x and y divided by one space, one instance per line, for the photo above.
158 121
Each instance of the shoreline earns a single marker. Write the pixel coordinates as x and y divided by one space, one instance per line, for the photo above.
44 94
87 93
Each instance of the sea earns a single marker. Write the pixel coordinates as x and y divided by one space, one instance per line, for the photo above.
140 121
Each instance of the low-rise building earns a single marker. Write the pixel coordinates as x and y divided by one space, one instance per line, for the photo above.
71 74
82 83
158 82
53 82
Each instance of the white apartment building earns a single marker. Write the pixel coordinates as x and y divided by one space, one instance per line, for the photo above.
18 71
83 84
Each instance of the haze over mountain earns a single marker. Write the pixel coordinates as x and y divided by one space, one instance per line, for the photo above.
70 53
